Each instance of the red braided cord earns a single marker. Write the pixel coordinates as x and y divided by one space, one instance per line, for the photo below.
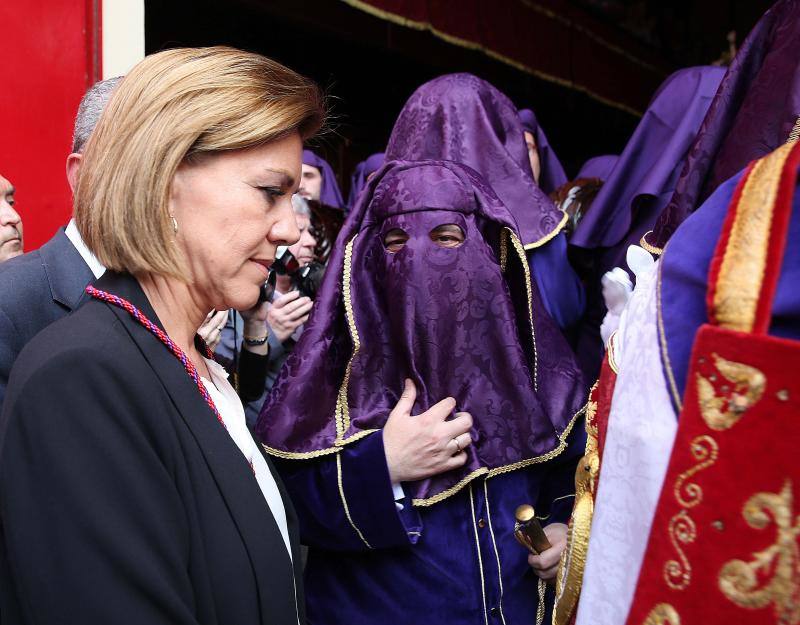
162 336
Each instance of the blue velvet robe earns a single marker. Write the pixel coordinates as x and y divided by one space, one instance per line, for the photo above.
455 562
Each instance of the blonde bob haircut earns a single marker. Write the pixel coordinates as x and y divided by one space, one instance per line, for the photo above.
176 105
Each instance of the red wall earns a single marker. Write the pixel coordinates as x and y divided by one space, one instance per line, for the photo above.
49 55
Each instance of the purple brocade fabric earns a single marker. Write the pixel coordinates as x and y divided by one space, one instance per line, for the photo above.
461 118
552 175
644 177
329 195
361 173
598 167
754 112
449 319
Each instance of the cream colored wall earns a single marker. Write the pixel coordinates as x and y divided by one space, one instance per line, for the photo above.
123 35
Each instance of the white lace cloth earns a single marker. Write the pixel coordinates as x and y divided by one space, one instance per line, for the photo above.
641 431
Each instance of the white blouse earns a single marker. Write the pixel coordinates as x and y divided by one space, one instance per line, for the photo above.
232 412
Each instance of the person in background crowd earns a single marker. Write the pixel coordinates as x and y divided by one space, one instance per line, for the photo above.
575 197
10 224
408 518
363 171
461 118
47 284
638 188
547 170
286 314
319 182
755 111
131 490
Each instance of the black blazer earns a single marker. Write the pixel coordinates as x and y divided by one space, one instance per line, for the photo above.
122 499
36 289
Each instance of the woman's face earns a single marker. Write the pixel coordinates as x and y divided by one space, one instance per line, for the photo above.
233 209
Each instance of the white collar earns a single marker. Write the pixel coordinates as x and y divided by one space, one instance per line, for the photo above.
75 238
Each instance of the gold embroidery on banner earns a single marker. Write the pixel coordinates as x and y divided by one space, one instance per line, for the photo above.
741 272
612 352
705 450
743 582
682 531
723 412
662 614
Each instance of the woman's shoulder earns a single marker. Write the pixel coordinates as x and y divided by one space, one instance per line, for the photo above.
91 338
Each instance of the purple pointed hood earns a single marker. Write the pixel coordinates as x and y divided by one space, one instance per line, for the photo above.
361 173
330 195
552 174
598 167
755 111
461 118
645 175
464 322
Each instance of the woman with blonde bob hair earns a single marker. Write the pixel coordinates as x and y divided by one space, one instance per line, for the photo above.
131 490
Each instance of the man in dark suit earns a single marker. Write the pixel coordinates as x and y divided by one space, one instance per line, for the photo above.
44 285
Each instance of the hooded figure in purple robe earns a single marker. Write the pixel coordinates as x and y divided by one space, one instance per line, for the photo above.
551 173
459 320
462 118
637 190
756 110
361 174
329 195
598 167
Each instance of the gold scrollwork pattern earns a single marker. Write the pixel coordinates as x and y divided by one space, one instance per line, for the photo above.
682 531
662 614
722 412
772 576
705 450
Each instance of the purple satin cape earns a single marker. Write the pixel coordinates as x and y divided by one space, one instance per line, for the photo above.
552 175
648 168
362 171
598 167
754 112
450 319
461 118
684 281
329 195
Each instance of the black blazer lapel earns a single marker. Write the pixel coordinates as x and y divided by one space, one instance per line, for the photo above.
232 473
67 272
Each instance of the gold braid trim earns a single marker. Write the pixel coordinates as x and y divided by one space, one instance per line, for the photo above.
344 502
308 455
342 410
655 251
795 134
551 235
662 339
471 45
742 268
562 445
520 250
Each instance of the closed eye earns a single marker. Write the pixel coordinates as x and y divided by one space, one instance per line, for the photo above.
272 193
